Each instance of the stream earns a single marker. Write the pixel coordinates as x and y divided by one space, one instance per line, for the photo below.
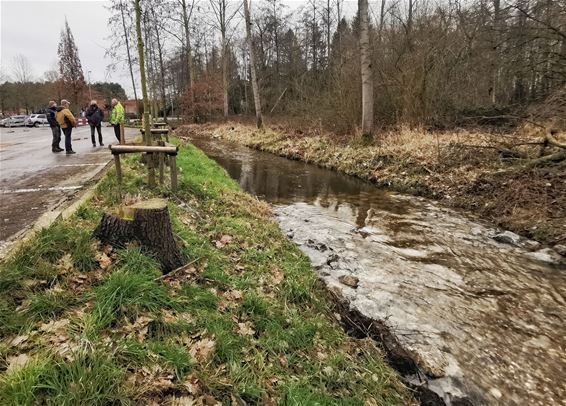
484 321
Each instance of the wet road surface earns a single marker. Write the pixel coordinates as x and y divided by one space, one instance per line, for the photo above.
484 321
33 180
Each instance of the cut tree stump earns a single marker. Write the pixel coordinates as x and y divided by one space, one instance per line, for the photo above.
147 222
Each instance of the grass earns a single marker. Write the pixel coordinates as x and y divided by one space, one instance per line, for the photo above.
127 295
87 379
248 321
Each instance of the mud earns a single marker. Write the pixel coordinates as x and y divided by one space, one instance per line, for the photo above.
466 319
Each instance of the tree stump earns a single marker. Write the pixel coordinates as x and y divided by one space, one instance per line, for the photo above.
147 222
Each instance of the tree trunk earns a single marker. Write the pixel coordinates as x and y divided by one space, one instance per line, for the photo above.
225 80
151 226
495 51
191 69
128 51
255 87
367 78
147 135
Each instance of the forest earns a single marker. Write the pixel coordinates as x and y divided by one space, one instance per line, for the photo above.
435 63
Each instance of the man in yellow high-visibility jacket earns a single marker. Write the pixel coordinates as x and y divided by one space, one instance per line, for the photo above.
117 118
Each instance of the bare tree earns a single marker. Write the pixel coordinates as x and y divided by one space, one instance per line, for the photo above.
187 11
367 77
223 17
147 133
255 87
22 73
130 64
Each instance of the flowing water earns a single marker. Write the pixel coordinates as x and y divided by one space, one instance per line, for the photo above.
484 321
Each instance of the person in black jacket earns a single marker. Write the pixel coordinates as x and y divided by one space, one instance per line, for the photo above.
54 125
94 117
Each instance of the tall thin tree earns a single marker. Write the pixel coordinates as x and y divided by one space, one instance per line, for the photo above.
367 77
128 50
255 87
147 134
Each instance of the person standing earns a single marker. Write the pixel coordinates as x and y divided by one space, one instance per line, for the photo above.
117 118
54 125
94 117
67 121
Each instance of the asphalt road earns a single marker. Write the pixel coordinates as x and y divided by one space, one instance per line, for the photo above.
34 180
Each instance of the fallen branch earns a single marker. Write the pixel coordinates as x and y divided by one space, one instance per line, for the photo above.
177 270
556 157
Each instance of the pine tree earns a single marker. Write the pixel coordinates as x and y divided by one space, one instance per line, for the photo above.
70 66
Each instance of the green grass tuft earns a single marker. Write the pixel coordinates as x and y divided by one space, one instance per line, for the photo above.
126 294
88 379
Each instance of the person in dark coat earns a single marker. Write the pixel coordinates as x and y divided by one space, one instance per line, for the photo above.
94 117
54 125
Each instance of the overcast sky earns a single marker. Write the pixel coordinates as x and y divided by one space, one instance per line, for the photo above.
32 28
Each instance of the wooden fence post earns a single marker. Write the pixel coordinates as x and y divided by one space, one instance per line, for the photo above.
161 168
173 165
118 173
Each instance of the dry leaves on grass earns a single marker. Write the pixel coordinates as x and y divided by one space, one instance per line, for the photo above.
233 294
17 361
103 260
245 329
205 400
65 264
57 337
55 326
224 240
18 340
192 384
202 349
138 329
154 379
277 276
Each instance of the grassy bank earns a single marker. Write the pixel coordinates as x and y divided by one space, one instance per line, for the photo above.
460 168
247 323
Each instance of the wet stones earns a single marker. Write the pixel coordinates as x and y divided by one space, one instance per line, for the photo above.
547 255
561 249
507 237
510 238
349 280
331 259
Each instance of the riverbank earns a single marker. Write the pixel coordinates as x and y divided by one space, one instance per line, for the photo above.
247 322
461 169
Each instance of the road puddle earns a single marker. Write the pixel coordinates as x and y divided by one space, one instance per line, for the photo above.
483 321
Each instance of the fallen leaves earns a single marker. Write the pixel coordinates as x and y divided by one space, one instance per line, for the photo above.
17 362
153 379
138 329
55 326
65 264
224 240
201 350
18 340
245 329
233 294
277 276
103 260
